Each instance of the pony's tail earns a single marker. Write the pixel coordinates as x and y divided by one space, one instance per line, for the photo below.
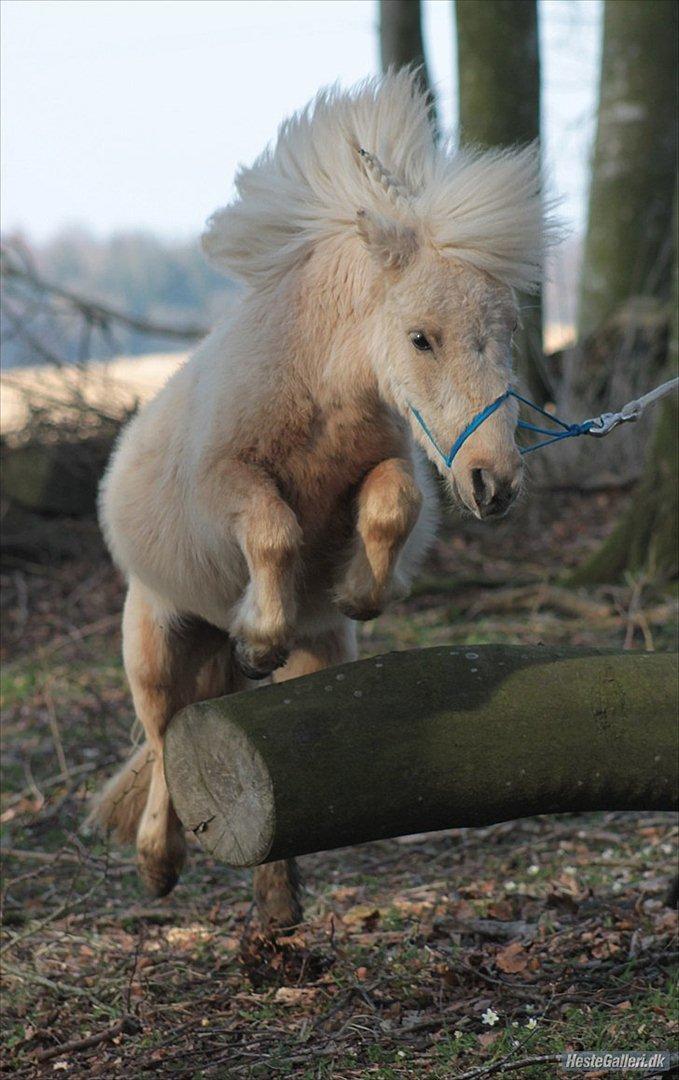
118 809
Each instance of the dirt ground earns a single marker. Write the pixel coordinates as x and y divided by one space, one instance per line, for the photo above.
465 954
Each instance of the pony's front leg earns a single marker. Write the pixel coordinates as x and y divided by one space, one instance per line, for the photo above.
270 538
388 506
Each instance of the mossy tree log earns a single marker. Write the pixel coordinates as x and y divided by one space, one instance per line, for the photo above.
499 91
416 741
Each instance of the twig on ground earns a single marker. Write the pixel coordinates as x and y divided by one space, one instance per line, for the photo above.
507 1065
22 603
128 1025
63 990
109 622
58 912
54 729
53 781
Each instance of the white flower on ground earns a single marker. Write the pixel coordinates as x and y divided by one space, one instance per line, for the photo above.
490 1017
458 1034
532 1024
534 869
510 886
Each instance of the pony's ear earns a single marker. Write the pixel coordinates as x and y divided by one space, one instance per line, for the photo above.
391 243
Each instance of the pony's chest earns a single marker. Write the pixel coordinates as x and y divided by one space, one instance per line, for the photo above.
323 478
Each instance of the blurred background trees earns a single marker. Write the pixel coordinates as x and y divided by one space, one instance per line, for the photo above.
630 265
151 280
623 342
499 105
402 42
628 249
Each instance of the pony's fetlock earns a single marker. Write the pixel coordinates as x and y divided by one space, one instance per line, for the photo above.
277 889
262 634
258 661
159 865
361 597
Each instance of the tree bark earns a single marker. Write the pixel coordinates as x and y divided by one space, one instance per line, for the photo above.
499 90
628 250
499 71
422 740
646 539
401 41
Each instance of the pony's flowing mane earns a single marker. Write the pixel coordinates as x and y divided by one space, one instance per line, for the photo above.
482 207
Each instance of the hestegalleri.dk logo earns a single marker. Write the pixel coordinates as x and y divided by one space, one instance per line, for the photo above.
659 1060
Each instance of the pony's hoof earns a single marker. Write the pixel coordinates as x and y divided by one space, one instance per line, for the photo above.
158 877
277 894
357 613
257 663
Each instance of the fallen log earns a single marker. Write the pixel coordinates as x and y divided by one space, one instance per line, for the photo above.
423 740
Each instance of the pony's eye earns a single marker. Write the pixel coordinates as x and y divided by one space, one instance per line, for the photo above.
420 342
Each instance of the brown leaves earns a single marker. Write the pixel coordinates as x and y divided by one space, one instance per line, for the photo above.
186 938
487 1038
363 916
286 960
295 995
602 944
512 959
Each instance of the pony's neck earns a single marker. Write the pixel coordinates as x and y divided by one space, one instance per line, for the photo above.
337 294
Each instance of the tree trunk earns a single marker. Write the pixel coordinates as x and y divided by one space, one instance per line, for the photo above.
499 86
628 250
422 740
646 539
401 42
499 71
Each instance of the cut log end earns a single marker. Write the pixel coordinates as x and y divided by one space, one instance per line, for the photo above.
231 809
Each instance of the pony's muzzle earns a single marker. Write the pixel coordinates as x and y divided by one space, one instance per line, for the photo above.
493 491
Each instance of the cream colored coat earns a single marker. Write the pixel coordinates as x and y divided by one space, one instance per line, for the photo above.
276 488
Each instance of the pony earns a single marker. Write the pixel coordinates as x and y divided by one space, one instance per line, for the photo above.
276 490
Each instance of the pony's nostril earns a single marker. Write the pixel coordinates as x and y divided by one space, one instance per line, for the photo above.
493 495
482 484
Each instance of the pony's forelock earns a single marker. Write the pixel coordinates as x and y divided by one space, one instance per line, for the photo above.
483 207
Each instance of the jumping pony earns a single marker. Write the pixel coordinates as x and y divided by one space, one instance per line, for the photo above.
276 489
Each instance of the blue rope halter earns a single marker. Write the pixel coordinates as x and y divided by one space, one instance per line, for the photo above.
568 431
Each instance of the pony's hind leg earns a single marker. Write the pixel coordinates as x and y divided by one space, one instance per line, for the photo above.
169 663
277 885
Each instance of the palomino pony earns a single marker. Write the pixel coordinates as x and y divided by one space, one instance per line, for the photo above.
274 491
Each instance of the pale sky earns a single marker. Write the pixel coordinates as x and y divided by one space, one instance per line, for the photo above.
133 114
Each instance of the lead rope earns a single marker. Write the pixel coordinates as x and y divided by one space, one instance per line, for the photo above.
598 426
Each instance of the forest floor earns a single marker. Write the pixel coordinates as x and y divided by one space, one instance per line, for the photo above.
463 954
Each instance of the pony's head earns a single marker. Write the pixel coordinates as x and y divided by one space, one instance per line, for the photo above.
442 353
446 239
